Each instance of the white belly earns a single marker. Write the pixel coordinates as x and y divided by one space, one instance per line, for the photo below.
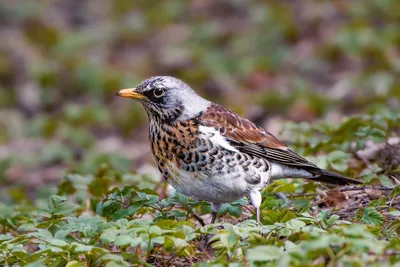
218 188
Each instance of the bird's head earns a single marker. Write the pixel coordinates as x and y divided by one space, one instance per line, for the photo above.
167 99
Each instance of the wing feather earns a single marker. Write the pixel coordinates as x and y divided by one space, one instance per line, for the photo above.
251 139
248 138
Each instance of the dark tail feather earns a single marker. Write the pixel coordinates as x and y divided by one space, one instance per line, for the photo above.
328 177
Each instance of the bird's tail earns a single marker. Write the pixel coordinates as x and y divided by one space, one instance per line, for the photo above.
329 177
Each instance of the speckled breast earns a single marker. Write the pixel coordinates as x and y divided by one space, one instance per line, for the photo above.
183 149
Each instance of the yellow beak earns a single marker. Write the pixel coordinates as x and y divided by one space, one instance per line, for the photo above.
130 93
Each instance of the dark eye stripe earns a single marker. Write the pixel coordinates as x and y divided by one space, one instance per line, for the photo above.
158 92
150 94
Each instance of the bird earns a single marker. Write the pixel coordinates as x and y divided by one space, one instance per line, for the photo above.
210 153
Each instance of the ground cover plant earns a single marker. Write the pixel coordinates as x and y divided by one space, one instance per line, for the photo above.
114 218
78 186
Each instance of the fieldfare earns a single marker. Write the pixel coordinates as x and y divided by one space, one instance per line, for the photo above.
210 153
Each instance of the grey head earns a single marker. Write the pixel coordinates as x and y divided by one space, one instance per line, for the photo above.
167 99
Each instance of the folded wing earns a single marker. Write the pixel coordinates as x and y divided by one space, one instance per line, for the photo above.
253 140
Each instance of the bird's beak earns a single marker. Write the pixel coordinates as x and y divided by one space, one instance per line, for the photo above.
130 93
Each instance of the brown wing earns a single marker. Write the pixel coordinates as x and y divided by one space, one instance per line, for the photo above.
251 139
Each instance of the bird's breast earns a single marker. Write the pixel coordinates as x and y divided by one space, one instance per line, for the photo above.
176 146
192 157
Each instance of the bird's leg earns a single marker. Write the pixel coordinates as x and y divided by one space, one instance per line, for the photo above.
255 198
199 219
215 207
258 215
214 216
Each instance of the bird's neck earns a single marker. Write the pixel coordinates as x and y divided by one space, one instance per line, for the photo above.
165 116
193 107
179 113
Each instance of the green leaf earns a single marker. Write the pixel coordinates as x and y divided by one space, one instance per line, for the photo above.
385 181
395 192
57 205
377 135
295 225
136 242
285 188
99 186
4 237
57 242
360 144
363 131
169 243
264 253
338 160
75 264
269 217
155 230
372 216
205 208
394 227
110 207
37 263
66 187
126 212
109 235
84 248
123 240
43 234
230 208
178 198
325 221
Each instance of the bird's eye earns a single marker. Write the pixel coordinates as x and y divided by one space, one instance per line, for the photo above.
159 92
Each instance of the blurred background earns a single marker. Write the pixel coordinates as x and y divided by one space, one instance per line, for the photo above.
61 61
